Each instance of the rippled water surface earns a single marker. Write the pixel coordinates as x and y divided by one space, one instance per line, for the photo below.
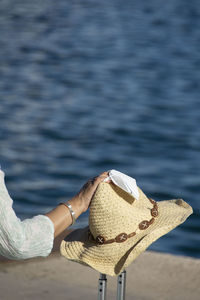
87 86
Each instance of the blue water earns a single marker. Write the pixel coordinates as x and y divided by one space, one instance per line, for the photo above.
88 86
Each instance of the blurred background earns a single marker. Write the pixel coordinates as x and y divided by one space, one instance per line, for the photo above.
88 86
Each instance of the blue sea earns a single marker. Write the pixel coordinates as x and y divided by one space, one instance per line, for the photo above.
88 86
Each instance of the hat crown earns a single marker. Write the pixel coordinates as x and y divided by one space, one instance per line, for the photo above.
114 211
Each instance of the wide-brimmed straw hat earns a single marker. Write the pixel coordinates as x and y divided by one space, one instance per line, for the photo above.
121 228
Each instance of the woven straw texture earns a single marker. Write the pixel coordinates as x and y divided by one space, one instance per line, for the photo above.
112 212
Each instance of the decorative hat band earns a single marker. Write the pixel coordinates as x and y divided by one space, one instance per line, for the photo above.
122 237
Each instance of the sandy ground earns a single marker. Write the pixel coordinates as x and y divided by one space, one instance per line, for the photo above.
152 276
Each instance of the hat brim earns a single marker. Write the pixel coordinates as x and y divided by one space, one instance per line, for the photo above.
113 258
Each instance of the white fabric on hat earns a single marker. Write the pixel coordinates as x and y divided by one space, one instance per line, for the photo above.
125 182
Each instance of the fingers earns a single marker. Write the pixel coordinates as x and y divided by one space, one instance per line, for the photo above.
96 180
87 191
101 177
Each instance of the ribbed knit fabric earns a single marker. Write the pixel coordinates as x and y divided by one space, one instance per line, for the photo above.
22 239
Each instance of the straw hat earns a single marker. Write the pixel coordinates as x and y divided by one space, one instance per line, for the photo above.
121 228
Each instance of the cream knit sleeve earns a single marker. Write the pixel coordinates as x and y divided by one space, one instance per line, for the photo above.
22 239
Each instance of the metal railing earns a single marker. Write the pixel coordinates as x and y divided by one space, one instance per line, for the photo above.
121 286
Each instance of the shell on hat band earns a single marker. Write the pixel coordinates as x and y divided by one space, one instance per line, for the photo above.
122 237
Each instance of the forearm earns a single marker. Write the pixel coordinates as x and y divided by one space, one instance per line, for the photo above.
61 216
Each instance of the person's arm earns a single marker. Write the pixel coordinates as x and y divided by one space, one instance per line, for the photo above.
34 237
61 216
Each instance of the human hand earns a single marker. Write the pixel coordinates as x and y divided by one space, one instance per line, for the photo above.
61 216
87 191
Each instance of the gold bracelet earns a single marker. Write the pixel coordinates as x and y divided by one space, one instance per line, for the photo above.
71 211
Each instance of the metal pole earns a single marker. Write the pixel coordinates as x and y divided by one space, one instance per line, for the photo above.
121 286
102 287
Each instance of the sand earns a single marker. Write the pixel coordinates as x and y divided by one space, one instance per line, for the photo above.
151 276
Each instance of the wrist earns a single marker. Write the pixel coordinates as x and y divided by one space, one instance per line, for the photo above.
77 205
73 215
